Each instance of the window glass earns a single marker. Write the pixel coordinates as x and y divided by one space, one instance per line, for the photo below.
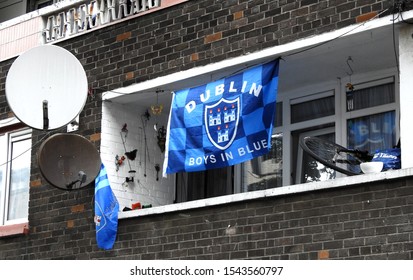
278 115
372 132
204 184
265 172
19 179
313 170
15 159
313 109
306 168
370 97
41 4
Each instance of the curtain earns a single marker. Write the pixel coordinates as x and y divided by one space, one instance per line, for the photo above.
372 132
204 184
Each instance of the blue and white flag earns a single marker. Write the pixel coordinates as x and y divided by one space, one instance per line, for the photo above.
106 211
222 123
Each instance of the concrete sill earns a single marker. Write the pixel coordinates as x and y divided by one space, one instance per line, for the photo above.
17 229
287 190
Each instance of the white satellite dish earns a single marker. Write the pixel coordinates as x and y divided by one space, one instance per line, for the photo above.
46 87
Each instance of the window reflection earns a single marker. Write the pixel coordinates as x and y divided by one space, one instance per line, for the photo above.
265 172
314 171
19 180
373 132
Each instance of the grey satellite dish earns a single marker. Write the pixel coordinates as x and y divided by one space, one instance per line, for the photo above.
68 161
46 87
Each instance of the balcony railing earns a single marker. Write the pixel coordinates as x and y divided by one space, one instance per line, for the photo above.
92 14
69 18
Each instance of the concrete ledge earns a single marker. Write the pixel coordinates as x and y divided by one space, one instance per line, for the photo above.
300 188
16 229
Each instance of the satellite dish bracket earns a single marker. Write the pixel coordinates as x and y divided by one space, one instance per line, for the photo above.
45 115
82 178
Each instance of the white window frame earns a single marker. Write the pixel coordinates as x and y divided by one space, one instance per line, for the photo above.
340 117
6 139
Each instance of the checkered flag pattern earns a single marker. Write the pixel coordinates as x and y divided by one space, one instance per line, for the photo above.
222 123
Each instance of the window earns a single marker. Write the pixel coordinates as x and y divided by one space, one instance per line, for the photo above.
370 97
308 169
367 123
313 109
371 122
265 172
44 3
204 184
11 9
15 159
372 132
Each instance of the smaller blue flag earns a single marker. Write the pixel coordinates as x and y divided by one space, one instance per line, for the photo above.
106 211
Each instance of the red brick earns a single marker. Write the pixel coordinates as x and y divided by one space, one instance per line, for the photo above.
366 17
323 255
95 137
194 57
78 208
123 36
238 15
36 183
129 76
213 37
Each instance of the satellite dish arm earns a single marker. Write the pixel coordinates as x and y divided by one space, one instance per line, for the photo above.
82 178
45 115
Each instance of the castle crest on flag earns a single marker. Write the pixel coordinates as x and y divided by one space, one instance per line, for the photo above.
221 122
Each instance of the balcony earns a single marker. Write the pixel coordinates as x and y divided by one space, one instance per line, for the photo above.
66 19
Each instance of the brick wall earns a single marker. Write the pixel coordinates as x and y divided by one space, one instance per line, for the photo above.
203 32
4 107
365 221
361 222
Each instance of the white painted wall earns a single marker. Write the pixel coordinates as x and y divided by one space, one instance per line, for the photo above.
406 94
144 189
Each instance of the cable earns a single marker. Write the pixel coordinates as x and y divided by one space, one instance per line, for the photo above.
34 145
281 57
338 37
7 121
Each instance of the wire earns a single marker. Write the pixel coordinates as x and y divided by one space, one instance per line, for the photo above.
107 91
7 121
281 57
34 145
338 37
403 20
